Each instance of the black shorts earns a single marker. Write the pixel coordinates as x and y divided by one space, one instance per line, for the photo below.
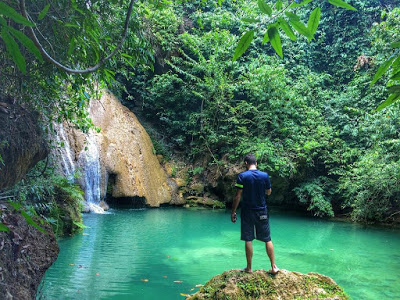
255 219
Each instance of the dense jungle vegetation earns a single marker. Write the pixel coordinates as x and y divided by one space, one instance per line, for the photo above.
309 116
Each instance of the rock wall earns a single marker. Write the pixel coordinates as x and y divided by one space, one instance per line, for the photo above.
22 144
124 151
25 255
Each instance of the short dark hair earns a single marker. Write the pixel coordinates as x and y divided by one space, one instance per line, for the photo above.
250 159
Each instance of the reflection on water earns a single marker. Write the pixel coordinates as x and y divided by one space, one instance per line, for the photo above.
160 253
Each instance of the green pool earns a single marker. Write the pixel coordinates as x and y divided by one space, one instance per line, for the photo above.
161 253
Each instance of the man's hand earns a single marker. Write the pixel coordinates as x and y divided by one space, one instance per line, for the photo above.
233 217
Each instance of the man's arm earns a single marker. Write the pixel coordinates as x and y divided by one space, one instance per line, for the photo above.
236 204
269 191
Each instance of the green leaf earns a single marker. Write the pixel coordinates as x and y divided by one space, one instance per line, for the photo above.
13 50
31 222
15 205
79 224
301 28
275 40
396 76
10 12
394 89
287 29
265 39
71 25
278 5
395 45
264 7
396 63
342 4
390 100
313 20
292 16
294 4
382 69
250 20
4 227
243 44
71 46
44 12
3 22
27 42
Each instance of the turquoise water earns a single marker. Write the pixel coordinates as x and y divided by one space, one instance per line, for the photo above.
139 254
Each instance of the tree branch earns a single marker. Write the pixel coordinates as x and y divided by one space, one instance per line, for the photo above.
67 69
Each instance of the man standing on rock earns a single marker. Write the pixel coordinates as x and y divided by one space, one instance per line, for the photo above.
254 185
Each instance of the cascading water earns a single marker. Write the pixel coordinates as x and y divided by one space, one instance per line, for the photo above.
64 152
88 164
92 174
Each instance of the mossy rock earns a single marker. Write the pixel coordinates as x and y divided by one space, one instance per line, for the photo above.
180 182
194 201
235 285
197 188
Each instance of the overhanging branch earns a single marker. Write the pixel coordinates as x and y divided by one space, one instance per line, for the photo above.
47 56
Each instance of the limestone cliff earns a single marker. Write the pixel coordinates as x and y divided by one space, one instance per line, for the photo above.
122 150
261 285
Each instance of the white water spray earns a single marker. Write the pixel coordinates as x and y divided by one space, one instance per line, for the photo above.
92 174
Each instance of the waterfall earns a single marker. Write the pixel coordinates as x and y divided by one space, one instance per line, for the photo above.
92 174
64 152
88 163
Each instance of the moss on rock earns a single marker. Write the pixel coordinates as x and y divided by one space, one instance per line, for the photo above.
195 201
235 285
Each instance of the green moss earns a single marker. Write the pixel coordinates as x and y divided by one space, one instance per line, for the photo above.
255 286
325 284
261 285
194 201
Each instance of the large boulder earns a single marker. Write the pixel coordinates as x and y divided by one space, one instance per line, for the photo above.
236 285
22 144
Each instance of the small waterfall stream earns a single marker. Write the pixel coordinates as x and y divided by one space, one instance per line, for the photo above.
88 163
92 173
64 152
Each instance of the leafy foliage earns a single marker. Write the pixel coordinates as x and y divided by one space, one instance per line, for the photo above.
79 36
53 198
309 118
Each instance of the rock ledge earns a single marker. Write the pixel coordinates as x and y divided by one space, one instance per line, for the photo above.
234 284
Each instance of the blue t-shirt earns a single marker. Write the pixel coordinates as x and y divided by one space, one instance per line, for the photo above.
254 184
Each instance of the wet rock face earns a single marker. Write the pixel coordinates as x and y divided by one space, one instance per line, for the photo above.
234 284
21 142
125 154
25 255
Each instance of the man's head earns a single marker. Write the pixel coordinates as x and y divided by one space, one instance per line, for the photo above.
250 159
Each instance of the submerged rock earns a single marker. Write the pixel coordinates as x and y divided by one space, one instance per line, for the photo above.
234 284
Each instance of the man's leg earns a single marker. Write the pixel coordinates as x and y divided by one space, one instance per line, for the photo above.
249 256
270 251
